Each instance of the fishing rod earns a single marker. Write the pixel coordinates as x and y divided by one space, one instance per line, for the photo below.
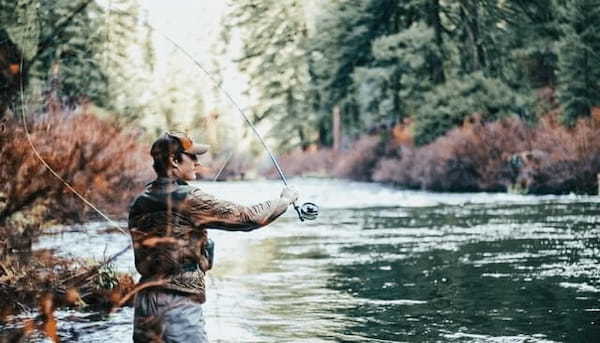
308 210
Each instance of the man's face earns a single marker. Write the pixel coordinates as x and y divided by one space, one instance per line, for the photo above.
187 168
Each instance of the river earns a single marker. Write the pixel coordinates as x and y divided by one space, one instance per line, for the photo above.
384 265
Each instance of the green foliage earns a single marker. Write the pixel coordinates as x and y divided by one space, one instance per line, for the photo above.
67 54
579 59
448 105
120 38
393 88
75 51
344 33
377 59
530 38
273 35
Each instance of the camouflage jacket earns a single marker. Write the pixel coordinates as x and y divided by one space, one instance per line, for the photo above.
168 223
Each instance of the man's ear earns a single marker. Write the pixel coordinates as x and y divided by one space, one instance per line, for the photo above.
173 163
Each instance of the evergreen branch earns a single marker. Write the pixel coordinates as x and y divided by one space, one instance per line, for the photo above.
46 43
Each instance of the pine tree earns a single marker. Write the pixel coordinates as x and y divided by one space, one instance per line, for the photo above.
362 60
579 59
448 105
71 52
120 40
274 57
403 69
345 31
527 41
75 50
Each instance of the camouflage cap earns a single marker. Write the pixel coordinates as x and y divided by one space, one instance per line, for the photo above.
173 142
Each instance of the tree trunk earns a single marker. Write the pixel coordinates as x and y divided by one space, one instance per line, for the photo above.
470 16
11 73
437 72
337 128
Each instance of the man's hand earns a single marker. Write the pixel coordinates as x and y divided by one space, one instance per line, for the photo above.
290 194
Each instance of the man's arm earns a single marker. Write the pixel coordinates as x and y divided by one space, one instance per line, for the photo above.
211 213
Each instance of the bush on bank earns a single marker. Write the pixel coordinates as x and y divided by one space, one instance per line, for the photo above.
509 154
41 281
104 163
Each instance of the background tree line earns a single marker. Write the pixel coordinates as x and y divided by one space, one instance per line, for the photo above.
73 52
434 62
380 62
424 65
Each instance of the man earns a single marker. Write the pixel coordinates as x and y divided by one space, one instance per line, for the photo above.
168 223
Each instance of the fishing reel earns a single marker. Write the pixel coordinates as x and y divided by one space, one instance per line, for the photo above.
308 211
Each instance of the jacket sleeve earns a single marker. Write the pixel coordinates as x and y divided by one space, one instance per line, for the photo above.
208 212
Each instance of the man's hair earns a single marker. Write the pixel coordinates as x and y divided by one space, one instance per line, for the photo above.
162 149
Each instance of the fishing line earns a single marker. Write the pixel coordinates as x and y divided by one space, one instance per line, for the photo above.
308 210
223 167
41 159
24 109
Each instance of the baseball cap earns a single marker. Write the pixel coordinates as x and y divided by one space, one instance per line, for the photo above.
173 142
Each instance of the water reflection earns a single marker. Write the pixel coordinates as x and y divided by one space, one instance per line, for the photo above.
382 265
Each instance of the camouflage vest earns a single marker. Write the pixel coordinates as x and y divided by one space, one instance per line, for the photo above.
168 224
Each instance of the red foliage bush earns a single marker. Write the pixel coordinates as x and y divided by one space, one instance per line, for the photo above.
541 158
572 160
481 157
104 163
304 163
360 159
356 163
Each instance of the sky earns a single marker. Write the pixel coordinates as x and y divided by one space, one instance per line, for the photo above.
195 26
191 23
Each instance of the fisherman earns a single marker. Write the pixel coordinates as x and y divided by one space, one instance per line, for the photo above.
168 223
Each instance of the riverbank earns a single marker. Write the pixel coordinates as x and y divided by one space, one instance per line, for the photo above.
508 155
108 165
39 281
381 264
99 160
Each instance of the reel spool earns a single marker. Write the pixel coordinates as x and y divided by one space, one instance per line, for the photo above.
309 211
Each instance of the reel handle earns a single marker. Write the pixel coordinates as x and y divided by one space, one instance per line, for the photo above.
297 208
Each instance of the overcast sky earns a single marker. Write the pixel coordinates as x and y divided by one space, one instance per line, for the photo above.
194 25
191 23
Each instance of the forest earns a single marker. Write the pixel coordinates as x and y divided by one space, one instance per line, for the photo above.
326 78
437 95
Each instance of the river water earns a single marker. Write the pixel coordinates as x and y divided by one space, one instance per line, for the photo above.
385 265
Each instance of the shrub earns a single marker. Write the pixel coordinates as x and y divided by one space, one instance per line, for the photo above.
360 159
429 167
104 163
357 162
314 162
573 157
507 154
481 156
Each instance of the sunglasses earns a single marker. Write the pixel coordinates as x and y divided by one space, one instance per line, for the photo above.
191 156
